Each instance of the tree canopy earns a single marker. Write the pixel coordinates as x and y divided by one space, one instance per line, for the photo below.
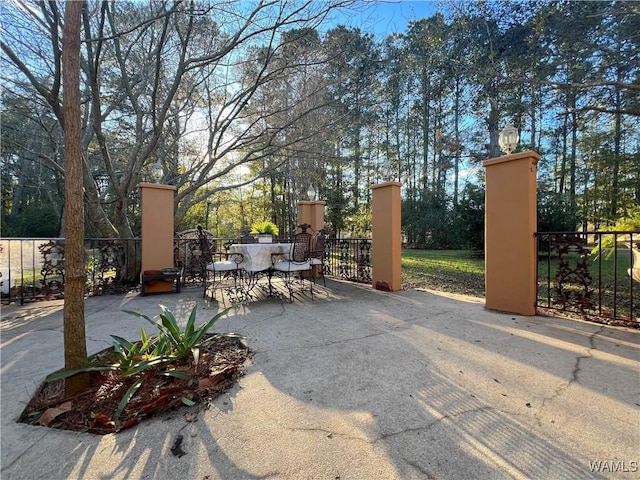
250 107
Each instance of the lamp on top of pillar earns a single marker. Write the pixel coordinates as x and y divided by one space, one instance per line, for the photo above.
157 171
385 170
508 139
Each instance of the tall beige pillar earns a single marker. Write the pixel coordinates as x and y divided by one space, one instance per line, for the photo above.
510 224
157 231
312 212
386 257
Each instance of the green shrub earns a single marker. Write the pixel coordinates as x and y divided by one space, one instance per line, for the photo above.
629 223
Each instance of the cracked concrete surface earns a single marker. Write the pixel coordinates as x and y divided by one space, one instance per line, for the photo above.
576 370
355 384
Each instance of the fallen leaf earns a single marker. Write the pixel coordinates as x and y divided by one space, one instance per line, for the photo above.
51 413
131 422
205 383
103 419
221 371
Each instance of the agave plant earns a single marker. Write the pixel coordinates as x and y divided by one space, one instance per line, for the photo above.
187 342
133 358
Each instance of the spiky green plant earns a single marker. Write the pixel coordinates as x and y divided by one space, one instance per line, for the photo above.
183 342
133 358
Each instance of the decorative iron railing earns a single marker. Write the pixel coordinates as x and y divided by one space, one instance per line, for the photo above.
595 275
33 268
349 259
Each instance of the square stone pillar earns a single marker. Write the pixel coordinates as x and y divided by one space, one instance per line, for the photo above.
510 224
386 242
312 212
157 231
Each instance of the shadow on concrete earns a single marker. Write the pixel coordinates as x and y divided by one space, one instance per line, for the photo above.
354 384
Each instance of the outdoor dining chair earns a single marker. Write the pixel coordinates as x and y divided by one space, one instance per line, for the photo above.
221 270
225 273
296 263
317 255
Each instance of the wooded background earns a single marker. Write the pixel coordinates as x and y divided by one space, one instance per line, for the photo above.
250 107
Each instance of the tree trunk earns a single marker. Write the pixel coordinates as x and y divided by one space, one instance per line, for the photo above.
357 163
426 119
565 146
573 158
492 124
456 136
616 156
75 346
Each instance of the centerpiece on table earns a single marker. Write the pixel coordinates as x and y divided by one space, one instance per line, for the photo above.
265 231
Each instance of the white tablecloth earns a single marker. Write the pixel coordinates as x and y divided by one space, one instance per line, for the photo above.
257 256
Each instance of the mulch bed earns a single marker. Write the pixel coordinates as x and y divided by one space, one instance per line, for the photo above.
93 410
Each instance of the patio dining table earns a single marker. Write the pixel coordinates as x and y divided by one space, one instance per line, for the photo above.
257 261
257 256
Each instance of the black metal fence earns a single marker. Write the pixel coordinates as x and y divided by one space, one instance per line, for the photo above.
33 268
349 259
595 275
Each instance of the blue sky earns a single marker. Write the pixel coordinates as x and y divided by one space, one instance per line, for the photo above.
385 17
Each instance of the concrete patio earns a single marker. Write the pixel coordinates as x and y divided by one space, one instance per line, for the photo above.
356 384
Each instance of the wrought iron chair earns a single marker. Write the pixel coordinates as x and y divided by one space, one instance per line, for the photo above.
297 261
246 237
317 255
221 270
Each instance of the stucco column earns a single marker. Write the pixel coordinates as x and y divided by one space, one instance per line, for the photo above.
510 224
312 212
157 231
386 242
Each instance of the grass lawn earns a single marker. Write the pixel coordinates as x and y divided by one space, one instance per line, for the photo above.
454 271
459 271
611 285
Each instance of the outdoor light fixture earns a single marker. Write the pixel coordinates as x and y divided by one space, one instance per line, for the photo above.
157 171
385 170
508 139
311 193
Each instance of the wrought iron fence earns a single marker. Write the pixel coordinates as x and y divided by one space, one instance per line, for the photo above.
33 268
349 259
593 274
